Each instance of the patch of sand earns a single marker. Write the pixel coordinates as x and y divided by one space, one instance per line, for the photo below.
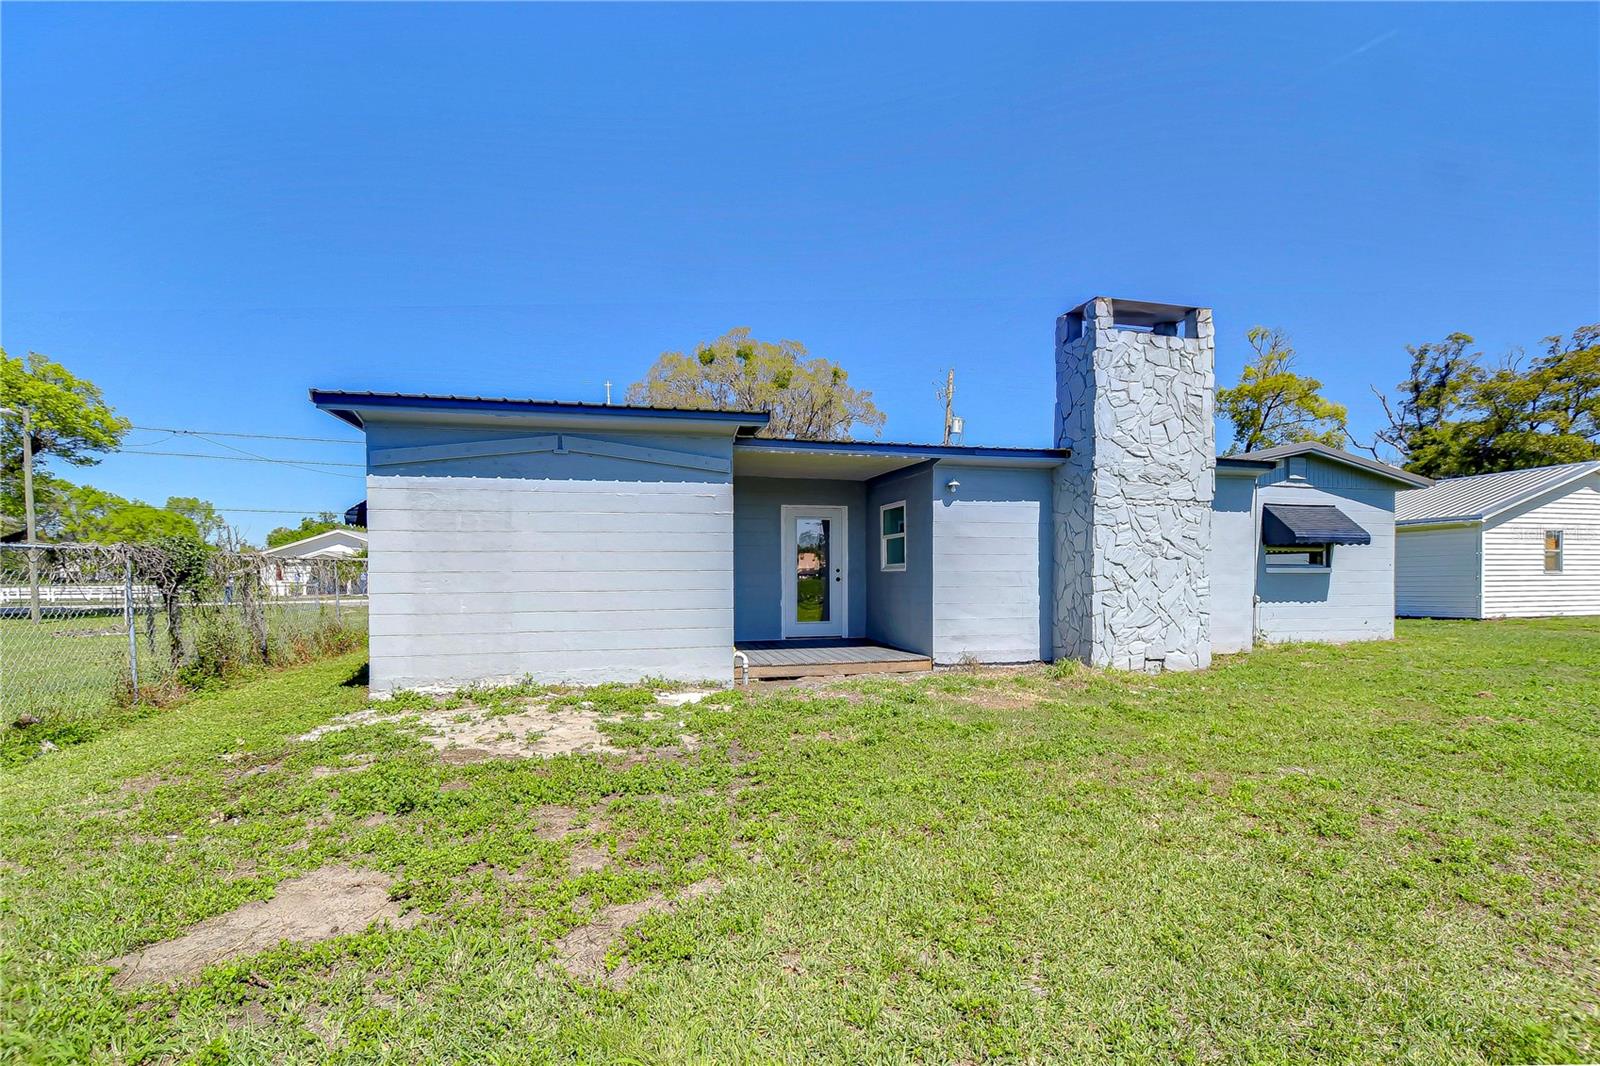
473 734
315 906
582 952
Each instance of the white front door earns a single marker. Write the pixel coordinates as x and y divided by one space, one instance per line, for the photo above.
814 571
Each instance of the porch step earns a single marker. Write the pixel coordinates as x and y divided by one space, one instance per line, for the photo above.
816 658
902 666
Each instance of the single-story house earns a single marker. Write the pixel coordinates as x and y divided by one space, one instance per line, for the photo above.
588 542
300 568
1515 544
1312 546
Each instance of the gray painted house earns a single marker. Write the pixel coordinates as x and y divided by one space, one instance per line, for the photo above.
586 543
1316 551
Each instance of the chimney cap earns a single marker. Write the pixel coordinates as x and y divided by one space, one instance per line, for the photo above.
1140 312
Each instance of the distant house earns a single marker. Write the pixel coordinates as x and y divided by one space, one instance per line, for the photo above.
1309 555
299 567
1514 544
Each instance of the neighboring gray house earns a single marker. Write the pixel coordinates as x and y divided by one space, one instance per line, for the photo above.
1315 547
586 542
1517 543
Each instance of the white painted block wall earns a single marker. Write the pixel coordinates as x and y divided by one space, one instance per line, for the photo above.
487 579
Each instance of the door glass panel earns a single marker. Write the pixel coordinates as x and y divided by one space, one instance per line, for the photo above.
813 591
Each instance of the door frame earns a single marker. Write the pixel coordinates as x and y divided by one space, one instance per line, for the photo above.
839 549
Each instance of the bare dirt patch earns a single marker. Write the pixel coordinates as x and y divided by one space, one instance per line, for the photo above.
315 906
555 822
582 952
474 734
586 858
1003 699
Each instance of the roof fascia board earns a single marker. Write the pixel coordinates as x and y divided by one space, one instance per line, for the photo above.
1333 455
975 454
350 407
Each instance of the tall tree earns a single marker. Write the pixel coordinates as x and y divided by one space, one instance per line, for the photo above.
1272 404
807 398
71 423
1424 417
85 513
207 522
1453 418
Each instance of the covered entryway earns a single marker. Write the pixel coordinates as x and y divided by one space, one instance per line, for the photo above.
822 655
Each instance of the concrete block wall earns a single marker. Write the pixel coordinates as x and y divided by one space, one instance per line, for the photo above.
1135 392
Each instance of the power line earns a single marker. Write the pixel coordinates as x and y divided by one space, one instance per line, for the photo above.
247 436
304 464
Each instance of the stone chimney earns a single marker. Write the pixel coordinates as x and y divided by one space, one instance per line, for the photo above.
1135 392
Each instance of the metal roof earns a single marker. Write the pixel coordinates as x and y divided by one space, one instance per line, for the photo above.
343 406
1294 524
1371 466
1473 499
931 451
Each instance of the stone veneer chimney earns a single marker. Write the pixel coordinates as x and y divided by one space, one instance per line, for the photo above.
1135 385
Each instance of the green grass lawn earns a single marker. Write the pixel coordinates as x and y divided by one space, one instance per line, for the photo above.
1382 852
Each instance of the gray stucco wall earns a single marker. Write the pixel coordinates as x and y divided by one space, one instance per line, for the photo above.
498 551
900 603
758 549
1234 547
1355 599
992 564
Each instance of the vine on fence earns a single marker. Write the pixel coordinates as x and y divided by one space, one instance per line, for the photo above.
144 620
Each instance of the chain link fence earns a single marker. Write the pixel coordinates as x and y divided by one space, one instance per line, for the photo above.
86 626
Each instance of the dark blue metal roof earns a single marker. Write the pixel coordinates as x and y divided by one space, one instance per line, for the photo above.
862 447
344 405
1286 525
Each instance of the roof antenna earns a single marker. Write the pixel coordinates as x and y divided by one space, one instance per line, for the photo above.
608 394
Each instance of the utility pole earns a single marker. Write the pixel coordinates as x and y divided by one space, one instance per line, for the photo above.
608 394
26 415
949 395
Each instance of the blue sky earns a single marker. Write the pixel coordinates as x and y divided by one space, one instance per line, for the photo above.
209 208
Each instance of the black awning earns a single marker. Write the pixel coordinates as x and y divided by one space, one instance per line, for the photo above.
1286 525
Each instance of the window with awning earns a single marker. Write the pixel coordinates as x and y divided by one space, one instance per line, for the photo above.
1295 525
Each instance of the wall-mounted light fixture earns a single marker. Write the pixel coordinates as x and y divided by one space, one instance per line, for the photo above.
952 485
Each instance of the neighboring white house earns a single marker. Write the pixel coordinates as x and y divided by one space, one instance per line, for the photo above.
298 568
1516 544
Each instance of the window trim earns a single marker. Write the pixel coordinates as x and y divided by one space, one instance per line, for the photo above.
1325 567
903 536
1560 551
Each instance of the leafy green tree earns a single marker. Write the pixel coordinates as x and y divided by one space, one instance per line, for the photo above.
1426 414
85 513
207 522
1453 418
308 527
807 398
71 423
1272 404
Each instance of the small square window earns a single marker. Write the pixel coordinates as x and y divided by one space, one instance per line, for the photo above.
892 536
1299 557
1553 539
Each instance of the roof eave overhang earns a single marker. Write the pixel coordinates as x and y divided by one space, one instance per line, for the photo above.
357 408
1434 523
1044 457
